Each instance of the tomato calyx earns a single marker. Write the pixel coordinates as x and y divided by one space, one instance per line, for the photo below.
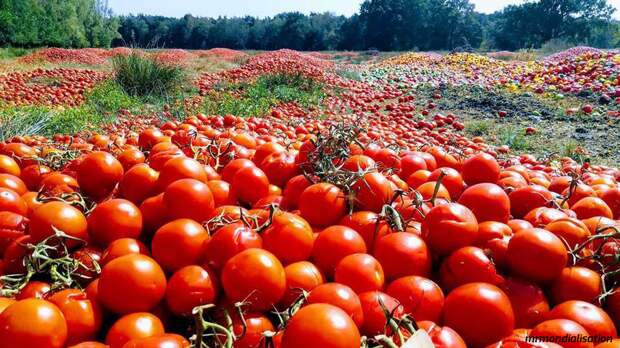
50 259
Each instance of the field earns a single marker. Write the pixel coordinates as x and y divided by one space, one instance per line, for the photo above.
222 198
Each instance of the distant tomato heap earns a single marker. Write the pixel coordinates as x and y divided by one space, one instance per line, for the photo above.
48 87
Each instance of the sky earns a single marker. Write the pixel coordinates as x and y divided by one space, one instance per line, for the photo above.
263 8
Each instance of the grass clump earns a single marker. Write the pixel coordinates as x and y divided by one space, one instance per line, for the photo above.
141 76
257 98
515 138
478 127
100 107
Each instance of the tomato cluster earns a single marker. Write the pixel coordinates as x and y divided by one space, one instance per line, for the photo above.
209 226
48 87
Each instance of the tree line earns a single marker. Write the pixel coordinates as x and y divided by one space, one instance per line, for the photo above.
388 25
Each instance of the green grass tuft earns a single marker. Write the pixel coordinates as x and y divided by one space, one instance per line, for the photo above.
142 76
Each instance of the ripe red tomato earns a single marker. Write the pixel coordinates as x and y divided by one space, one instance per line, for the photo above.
113 220
361 272
468 265
322 204
190 199
300 276
561 328
340 296
481 168
592 318
83 315
131 283
32 323
402 254
420 297
189 287
255 276
57 215
333 244
321 325
98 173
449 227
179 243
229 241
529 304
537 255
495 320
487 201
133 326
374 315
249 185
161 341
289 237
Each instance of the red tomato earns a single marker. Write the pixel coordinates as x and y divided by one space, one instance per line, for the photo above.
449 227
83 315
322 204
361 272
495 318
420 297
32 323
340 296
255 276
114 219
131 283
321 325
537 255
179 243
402 254
133 326
189 287
333 244
488 202
98 174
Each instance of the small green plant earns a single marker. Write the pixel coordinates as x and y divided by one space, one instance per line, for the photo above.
515 138
28 121
141 76
478 127
13 52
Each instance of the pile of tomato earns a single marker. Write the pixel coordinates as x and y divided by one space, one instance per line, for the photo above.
52 87
290 232
64 55
274 62
225 54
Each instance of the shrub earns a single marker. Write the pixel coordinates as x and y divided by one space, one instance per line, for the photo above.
146 77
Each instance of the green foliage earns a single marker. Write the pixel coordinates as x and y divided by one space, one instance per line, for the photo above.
478 127
515 138
536 22
61 23
257 98
12 52
144 76
101 106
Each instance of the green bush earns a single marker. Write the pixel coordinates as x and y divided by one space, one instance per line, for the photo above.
146 77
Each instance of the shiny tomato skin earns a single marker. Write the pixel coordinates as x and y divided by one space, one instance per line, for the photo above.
32 323
495 318
114 219
133 326
178 243
254 275
131 283
83 315
340 296
189 287
321 325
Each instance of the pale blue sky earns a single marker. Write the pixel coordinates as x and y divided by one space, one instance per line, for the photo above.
262 8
